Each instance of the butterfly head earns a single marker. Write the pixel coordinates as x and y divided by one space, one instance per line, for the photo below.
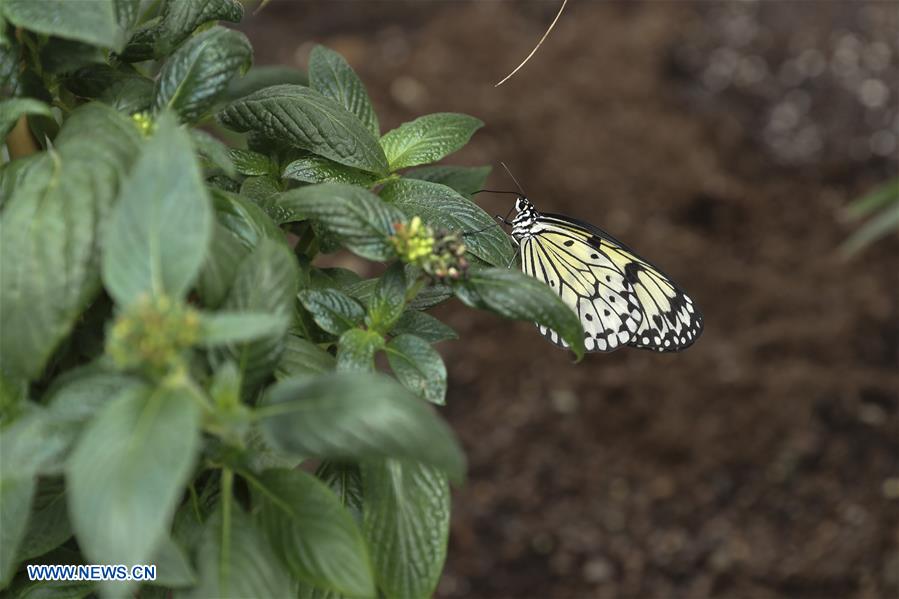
525 217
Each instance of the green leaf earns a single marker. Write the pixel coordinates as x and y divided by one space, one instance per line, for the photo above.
303 357
13 108
880 197
127 12
75 397
333 311
466 180
260 77
92 21
48 524
332 77
180 19
388 300
127 473
199 71
307 120
315 169
213 150
353 416
312 533
236 562
441 207
406 524
428 138
356 350
16 493
173 567
122 88
222 328
513 294
880 225
160 232
361 220
265 282
423 325
222 261
49 250
245 220
64 56
252 164
419 367
345 479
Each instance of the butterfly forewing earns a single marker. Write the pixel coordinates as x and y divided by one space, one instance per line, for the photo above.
620 298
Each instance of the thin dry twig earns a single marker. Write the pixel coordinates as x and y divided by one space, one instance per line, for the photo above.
537 47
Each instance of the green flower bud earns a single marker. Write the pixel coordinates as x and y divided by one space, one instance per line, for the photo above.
152 335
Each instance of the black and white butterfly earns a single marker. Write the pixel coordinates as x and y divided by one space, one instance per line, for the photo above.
620 298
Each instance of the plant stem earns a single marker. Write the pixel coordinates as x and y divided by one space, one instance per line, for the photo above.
20 141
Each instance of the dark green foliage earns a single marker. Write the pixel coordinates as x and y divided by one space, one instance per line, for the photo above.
171 352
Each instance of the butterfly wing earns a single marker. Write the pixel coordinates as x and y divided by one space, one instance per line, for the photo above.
587 280
666 318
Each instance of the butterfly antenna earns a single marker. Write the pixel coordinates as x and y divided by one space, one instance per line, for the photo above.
493 191
517 184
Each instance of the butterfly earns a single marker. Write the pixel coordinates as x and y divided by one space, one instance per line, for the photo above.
620 298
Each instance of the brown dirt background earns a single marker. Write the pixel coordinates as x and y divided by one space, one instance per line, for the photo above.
764 461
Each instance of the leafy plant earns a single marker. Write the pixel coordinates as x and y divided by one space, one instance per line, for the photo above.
881 208
175 366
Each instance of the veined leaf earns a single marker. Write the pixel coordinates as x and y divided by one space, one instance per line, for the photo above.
252 164
515 295
312 532
355 416
123 88
303 357
332 310
360 219
389 298
94 22
49 230
222 261
127 473
199 71
266 281
406 513
213 150
332 77
179 19
428 139
418 366
356 350
315 169
48 523
222 328
160 232
245 220
236 562
422 324
307 120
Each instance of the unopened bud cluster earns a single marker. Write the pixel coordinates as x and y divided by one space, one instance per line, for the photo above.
440 254
144 123
152 335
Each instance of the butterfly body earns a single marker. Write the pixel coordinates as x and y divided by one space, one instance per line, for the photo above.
620 298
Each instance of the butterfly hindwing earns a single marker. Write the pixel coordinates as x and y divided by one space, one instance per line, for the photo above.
620 298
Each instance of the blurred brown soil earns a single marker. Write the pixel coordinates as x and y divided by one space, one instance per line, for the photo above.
760 463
